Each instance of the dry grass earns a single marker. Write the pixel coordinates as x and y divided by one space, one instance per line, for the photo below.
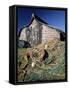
49 69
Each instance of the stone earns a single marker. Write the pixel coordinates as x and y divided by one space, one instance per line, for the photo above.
23 44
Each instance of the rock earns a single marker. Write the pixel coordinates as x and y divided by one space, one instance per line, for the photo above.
23 44
46 46
33 64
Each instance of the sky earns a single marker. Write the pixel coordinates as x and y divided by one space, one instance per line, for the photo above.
54 18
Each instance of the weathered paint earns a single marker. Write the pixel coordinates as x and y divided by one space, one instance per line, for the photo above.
38 32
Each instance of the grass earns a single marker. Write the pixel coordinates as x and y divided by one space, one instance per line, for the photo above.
52 68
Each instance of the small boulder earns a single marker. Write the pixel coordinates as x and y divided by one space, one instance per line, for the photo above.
23 44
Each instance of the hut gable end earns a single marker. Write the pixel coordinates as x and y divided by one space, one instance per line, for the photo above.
38 31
